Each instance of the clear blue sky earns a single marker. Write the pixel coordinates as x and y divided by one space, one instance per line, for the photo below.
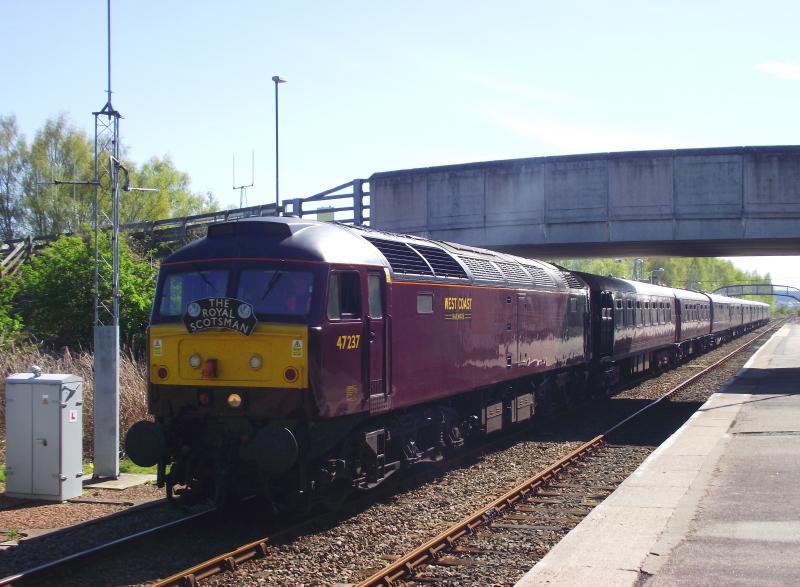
376 86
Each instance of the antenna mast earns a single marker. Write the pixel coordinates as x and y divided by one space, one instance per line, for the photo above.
243 188
106 295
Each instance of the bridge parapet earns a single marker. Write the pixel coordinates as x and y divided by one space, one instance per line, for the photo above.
693 202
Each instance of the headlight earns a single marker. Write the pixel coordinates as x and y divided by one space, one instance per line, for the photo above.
234 400
256 362
195 361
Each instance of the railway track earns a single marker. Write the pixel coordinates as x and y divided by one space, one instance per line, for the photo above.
517 510
50 568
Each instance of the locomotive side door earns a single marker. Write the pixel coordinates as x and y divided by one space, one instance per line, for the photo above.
377 343
344 345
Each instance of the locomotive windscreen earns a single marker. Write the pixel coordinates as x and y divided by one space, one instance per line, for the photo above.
276 291
272 291
183 287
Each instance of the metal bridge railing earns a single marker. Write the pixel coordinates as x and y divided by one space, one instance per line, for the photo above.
347 203
759 289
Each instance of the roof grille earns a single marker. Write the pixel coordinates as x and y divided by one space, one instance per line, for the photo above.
443 264
572 281
540 277
482 269
401 257
514 273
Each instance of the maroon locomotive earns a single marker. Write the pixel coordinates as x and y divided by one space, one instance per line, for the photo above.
304 359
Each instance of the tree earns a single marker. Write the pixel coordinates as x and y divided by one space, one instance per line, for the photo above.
13 166
30 202
173 198
59 152
55 298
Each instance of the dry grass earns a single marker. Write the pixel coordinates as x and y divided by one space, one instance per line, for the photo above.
132 380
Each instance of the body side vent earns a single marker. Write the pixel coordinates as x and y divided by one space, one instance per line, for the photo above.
401 257
443 264
540 277
514 273
572 281
482 269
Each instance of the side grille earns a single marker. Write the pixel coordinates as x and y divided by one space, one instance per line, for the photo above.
540 277
443 264
514 273
401 257
482 269
572 281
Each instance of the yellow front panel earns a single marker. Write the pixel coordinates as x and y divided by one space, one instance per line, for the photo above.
279 346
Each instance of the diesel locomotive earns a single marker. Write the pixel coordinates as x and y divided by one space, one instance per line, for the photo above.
303 360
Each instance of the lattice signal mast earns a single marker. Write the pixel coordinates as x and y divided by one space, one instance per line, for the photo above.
106 295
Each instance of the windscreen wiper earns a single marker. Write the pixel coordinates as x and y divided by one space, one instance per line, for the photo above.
204 278
273 282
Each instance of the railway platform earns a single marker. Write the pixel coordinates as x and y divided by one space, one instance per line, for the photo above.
717 503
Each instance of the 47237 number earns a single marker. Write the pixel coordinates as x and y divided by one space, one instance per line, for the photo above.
348 341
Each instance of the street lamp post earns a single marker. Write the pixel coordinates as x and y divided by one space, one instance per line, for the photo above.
278 80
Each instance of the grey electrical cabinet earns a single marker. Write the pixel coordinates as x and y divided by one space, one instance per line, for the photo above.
44 436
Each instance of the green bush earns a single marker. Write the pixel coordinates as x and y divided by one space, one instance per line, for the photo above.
10 323
54 295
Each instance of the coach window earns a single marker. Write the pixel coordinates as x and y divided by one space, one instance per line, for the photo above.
619 314
629 320
344 296
638 313
375 299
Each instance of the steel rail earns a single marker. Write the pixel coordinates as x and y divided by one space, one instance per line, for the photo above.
49 566
230 560
428 551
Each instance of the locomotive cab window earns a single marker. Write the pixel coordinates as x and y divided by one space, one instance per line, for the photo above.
374 283
344 296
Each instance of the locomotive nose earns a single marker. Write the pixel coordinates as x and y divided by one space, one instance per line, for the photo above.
145 443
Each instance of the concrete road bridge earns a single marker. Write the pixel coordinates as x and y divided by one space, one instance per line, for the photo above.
690 202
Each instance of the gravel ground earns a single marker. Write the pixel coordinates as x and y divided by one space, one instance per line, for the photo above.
36 516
